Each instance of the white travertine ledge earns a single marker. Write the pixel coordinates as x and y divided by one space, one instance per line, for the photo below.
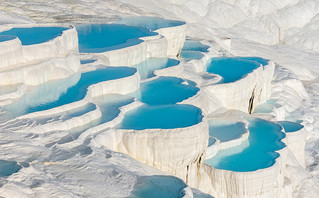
262 183
246 93
16 55
39 73
177 151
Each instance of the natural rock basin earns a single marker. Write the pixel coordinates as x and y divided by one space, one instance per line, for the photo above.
257 153
146 68
75 92
226 130
96 38
231 69
35 35
165 90
162 117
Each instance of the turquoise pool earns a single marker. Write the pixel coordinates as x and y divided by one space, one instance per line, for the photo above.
191 55
190 45
256 153
161 117
110 105
226 130
87 61
75 90
211 141
158 186
35 35
7 168
96 38
231 69
290 126
146 68
165 90
151 23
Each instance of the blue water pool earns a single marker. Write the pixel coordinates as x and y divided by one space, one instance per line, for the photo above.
190 55
259 60
87 61
231 69
96 38
226 130
152 23
162 117
290 126
256 153
158 186
6 37
165 90
211 141
35 35
190 45
78 91
7 168
146 68
110 105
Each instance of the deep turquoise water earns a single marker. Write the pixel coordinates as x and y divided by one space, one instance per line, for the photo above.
86 61
146 68
190 45
7 168
162 117
290 126
258 153
79 90
152 23
225 130
165 90
231 69
96 38
6 38
35 35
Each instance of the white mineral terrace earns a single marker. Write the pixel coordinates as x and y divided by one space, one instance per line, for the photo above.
74 139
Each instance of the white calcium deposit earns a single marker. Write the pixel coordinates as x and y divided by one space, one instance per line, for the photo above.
76 157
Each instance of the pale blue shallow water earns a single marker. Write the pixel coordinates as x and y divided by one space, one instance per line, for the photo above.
6 38
231 69
161 117
96 38
264 139
152 23
211 141
165 90
7 168
146 68
79 90
110 105
290 126
189 55
35 35
190 45
225 130
158 186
